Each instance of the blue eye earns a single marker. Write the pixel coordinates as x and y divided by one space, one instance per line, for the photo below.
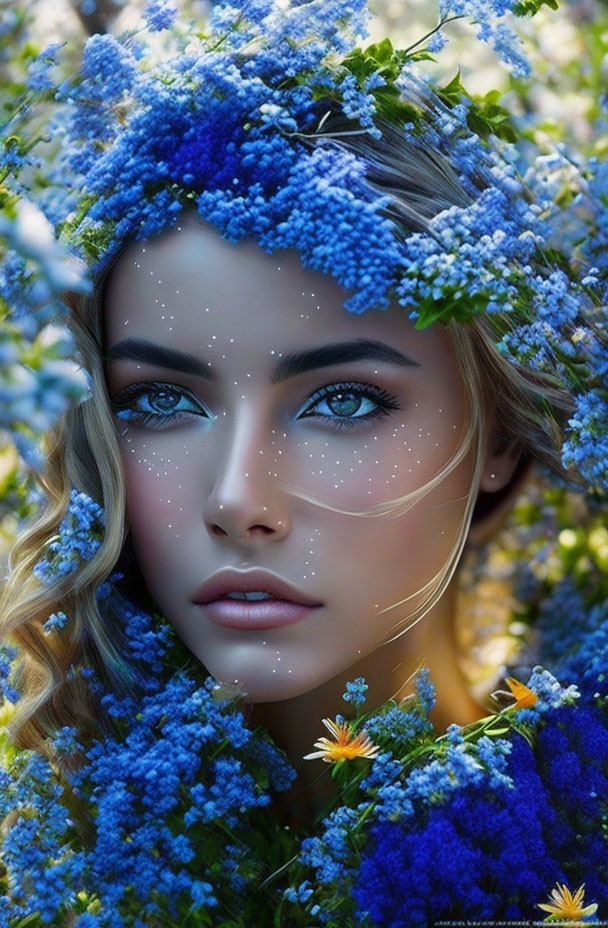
348 404
156 405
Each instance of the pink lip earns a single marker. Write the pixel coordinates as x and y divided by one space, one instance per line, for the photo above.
290 604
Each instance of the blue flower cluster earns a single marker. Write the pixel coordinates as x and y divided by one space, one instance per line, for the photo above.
496 853
393 791
178 771
473 258
39 70
42 869
159 15
502 38
7 658
79 537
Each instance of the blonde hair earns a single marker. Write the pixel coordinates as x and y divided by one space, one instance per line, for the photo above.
83 452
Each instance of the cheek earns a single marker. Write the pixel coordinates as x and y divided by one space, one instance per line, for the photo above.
370 564
158 498
357 469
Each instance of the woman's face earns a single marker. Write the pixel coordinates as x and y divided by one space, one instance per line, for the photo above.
249 403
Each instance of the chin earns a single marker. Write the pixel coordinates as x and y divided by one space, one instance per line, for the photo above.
263 689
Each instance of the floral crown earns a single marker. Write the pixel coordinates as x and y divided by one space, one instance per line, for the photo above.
248 122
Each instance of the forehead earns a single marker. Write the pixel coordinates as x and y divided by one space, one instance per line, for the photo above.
192 289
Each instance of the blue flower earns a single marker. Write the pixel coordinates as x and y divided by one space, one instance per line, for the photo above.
56 620
108 68
355 692
39 70
159 14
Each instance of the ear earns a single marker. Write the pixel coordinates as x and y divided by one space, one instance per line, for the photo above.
500 462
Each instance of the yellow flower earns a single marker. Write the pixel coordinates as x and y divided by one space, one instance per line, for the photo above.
564 905
524 696
345 745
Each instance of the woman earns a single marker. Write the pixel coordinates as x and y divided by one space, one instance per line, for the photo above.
290 485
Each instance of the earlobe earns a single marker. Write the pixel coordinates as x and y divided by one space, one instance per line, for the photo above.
499 466
503 473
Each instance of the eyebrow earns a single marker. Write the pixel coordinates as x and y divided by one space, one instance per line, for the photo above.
138 349
360 349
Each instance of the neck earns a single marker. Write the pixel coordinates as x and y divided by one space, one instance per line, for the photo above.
295 724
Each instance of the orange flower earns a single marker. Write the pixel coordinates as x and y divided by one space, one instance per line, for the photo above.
345 745
564 906
524 696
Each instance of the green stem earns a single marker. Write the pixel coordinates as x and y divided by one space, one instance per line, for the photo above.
440 24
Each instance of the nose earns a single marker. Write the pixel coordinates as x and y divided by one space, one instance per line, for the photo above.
246 501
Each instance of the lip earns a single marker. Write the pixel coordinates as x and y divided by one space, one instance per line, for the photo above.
290 605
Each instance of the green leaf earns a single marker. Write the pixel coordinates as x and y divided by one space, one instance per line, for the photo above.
32 919
531 7
452 92
382 52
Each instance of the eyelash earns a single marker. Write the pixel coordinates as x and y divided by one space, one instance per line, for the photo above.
125 400
385 403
